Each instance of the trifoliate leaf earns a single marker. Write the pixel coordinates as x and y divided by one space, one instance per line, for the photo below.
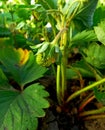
20 110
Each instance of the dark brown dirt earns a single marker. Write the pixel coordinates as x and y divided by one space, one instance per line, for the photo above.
66 117
97 124
64 122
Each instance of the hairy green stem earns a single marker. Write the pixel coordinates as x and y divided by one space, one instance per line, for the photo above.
63 74
86 102
74 95
54 71
94 117
91 112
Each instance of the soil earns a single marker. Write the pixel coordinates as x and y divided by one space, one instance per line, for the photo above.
63 122
66 117
97 124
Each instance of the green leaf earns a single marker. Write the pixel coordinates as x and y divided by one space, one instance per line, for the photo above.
71 74
24 73
5 41
94 55
26 1
70 7
48 4
4 32
84 36
86 12
83 68
19 111
31 71
79 68
100 31
3 80
99 14
20 40
100 94
23 13
20 25
44 46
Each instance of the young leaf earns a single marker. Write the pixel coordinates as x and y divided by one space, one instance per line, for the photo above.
43 47
94 55
100 31
19 111
48 4
20 25
70 7
84 36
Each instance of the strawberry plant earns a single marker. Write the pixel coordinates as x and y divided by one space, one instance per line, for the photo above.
74 29
73 20
42 36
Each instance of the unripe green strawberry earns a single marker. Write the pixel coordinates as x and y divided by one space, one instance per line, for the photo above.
44 61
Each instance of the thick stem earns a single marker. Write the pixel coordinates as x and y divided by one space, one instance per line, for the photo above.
58 84
61 69
63 74
74 95
58 36
63 64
